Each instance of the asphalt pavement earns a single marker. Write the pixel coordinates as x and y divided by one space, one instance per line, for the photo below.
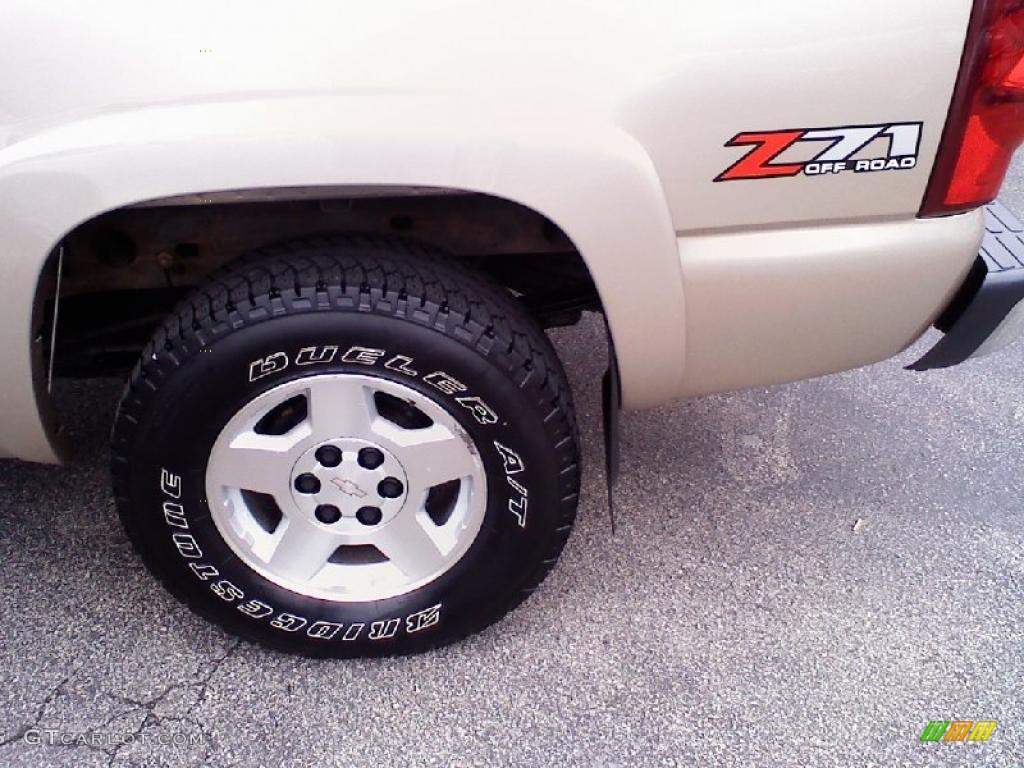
802 576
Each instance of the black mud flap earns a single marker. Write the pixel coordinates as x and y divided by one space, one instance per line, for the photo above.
611 402
983 316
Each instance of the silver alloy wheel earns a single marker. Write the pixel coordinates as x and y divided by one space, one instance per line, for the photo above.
346 487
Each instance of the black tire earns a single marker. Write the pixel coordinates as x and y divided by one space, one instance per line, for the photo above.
194 375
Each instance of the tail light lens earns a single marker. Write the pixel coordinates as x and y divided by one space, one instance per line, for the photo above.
986 119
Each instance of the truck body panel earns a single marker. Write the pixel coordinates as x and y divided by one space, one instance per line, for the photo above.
612 121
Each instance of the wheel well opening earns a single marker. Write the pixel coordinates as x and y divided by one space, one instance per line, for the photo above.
124 270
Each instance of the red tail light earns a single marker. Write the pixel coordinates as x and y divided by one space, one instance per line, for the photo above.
986 119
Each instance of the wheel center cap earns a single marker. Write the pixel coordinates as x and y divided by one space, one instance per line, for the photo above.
349 484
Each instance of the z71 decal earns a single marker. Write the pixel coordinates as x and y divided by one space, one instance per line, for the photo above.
825 151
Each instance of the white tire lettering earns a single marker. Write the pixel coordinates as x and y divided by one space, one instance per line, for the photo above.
170 484
187 546
288 622
174 514
204 571
353 631
363 355
265 366
315 355
517 506
400 363
513 464
226 591
383 630
441 381
481 411
420 620
255 609
324 630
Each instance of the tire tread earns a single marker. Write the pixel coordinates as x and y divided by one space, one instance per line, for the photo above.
376 275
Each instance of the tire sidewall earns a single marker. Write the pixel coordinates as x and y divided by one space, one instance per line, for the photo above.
186 409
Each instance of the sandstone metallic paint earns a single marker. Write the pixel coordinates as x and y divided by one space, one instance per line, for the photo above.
609 118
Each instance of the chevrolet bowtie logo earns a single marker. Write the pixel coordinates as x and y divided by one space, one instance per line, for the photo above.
347 487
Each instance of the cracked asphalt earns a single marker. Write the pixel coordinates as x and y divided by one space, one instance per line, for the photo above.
802 575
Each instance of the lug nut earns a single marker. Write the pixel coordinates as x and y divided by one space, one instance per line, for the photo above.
370 458
328 455
390 488
327 513
369 515
307 483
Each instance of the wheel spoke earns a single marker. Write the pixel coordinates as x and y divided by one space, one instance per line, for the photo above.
253 462
433 456
301 550
340 408
406 543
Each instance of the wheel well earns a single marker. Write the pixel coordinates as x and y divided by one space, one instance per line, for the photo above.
125 269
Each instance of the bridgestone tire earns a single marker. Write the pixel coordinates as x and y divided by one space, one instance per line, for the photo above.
362 307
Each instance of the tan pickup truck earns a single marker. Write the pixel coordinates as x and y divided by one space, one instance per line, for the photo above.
322 241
